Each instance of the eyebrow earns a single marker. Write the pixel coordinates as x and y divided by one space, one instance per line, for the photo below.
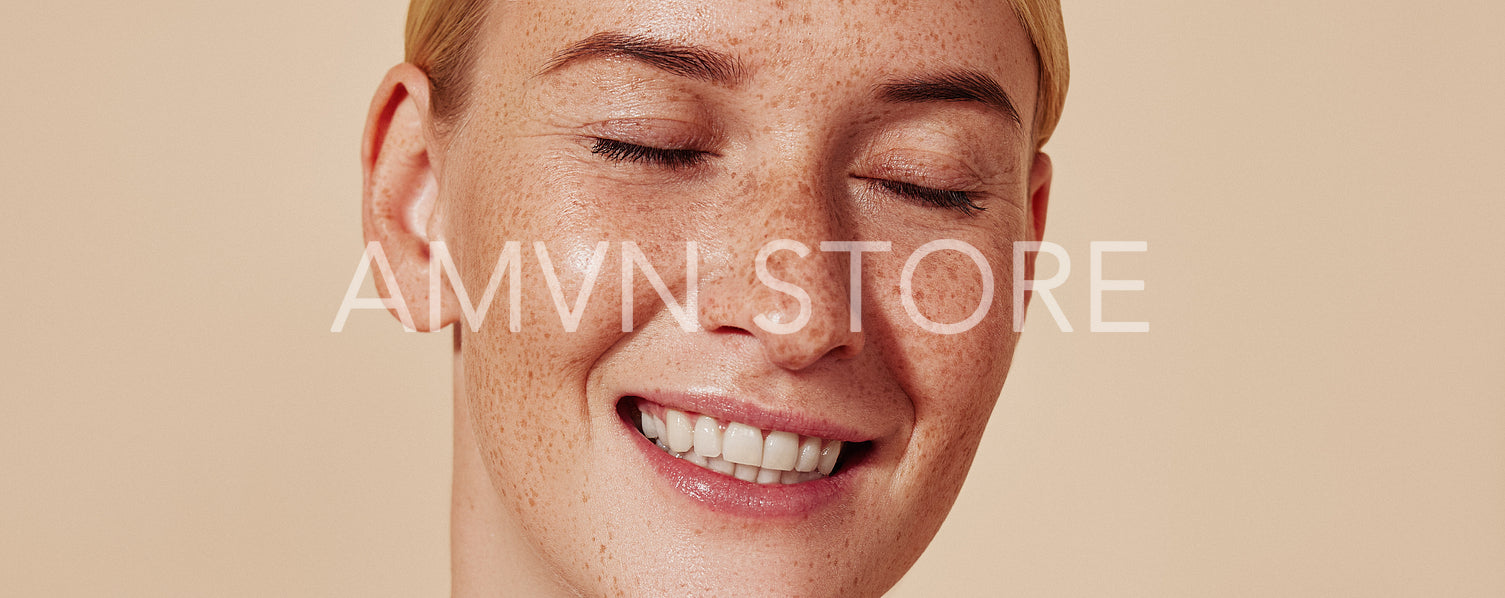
954 86
694 62
712 66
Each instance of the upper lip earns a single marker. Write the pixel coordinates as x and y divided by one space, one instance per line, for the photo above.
726 409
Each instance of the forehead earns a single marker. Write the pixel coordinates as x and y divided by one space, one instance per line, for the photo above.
816 42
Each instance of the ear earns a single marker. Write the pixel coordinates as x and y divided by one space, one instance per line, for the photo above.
1040 172
1039 194
401 188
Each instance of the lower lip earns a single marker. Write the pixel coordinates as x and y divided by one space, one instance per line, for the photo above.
731 496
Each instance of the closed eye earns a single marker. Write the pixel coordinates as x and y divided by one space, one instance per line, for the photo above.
674 159
956 200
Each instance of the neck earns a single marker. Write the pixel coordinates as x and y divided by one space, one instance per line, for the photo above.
489 554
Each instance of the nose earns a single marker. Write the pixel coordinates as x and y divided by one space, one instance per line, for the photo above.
780 288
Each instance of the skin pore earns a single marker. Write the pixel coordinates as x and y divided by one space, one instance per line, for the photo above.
730 124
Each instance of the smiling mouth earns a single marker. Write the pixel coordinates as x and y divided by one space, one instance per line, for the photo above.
736 449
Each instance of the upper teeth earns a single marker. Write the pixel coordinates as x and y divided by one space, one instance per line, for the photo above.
738 449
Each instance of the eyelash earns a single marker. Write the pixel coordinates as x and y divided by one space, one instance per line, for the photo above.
675 159
961 201
621 151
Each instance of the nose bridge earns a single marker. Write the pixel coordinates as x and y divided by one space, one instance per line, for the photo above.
787 210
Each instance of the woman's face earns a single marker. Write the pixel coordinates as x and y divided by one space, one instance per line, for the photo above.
732 125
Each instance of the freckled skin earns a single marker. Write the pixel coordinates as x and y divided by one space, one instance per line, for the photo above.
550 496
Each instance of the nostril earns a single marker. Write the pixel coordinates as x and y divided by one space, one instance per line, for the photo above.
848 350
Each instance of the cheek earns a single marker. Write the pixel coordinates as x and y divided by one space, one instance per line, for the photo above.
952 379
954 296
526 388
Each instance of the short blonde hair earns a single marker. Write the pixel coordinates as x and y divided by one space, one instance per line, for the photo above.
1047 32
441 38
442 35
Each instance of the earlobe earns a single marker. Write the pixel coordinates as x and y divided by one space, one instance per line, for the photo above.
401 188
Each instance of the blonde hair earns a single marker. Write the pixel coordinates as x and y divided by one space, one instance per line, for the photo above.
1047 32
441 39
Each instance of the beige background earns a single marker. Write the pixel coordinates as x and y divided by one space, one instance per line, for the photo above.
1318 410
